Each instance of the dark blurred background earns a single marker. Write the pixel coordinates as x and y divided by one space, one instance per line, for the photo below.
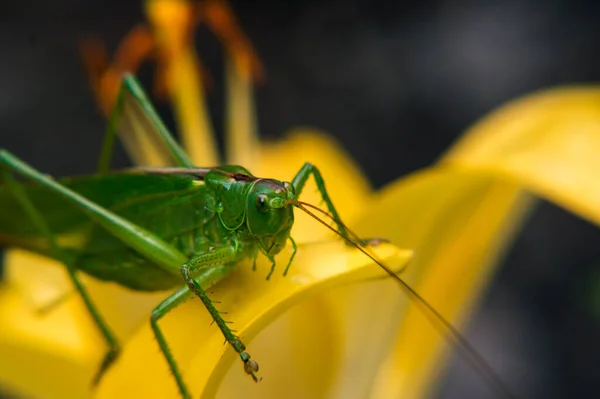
397 82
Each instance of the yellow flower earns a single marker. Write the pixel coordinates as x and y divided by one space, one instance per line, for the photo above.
348 340
311 333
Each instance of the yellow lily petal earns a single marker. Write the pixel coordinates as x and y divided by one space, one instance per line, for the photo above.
458 223
548 142
27 340
40 352
62 343
252 302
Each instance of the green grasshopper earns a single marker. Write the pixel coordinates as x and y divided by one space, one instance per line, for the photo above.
152 229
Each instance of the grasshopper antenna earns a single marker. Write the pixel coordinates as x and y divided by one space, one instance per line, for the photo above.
439 322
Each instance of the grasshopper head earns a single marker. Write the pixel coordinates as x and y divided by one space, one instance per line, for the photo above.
268 216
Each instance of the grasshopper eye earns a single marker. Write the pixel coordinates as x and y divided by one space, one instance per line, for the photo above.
262 203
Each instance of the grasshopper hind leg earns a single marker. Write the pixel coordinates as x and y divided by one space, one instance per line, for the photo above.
146 138
17 190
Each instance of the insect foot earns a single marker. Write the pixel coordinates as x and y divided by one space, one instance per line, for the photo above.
250 366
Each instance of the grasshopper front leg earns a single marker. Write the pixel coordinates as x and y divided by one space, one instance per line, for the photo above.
208 276
299 182
220 256
208 268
